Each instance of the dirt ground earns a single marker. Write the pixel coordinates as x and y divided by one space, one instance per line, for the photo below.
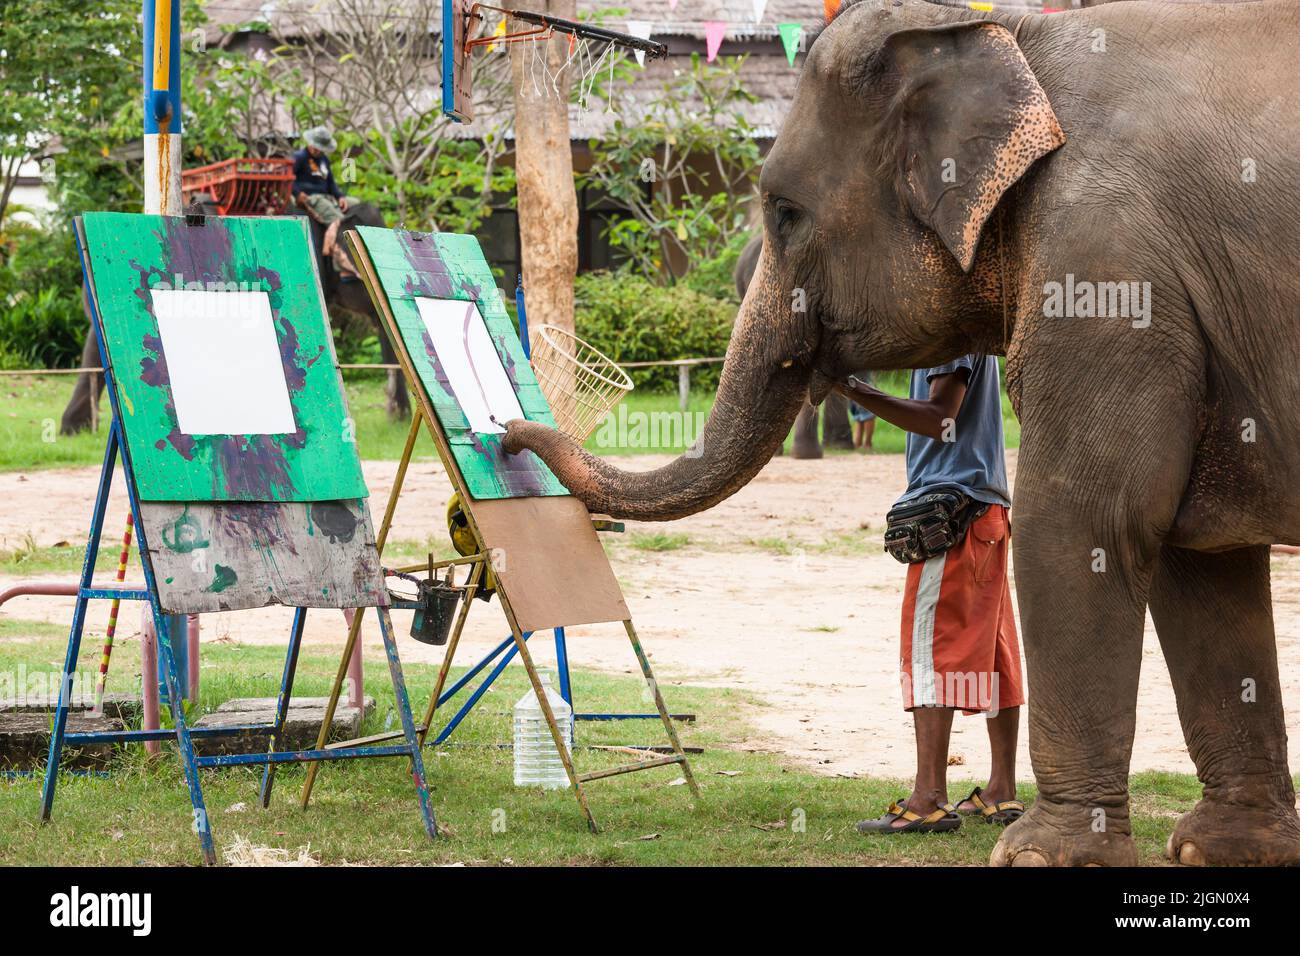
810 631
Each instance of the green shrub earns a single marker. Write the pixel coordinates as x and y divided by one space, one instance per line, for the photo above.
632 320
42 324
717 277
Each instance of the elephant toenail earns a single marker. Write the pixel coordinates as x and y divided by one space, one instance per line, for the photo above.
1189 854
1029 857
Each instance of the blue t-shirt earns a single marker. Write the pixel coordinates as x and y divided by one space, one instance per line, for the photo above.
973 462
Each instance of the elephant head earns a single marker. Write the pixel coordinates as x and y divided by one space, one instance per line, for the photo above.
909 124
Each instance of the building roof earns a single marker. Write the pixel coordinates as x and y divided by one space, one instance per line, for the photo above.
766 72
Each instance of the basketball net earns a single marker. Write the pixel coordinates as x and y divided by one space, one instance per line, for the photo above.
579 63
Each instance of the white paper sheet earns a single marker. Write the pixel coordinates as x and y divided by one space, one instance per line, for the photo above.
464 347
223 362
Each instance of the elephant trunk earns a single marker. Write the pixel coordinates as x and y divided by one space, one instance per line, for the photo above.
763 385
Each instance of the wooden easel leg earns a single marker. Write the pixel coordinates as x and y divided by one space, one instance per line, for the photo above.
202 825
354 629
78 625
470 589
282 704
660 706
561 745
408 723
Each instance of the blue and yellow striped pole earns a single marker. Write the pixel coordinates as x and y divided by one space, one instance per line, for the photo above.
162 107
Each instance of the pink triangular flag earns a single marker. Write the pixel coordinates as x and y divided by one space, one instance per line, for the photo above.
714 31
672 4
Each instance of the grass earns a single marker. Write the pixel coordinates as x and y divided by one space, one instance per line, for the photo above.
646 423
754 809
658 541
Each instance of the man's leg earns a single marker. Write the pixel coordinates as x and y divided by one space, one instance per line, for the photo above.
1004 733
930 791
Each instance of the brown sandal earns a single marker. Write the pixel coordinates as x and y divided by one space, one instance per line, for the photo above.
943 820
1001 813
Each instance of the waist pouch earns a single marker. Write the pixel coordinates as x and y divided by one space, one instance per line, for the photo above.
918 530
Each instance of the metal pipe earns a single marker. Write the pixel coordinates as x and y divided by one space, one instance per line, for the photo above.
46 589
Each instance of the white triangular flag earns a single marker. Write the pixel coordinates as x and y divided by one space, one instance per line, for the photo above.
759 7
641 30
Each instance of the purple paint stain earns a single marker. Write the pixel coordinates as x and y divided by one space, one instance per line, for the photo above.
199 253
252 467
153 371
256 522
429 276
184 444
432 354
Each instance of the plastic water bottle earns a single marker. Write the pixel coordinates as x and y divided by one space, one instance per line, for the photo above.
537 762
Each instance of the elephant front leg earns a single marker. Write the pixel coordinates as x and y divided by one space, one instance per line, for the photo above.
1082 604
1214 615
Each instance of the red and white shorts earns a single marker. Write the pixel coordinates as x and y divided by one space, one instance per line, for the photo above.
959 633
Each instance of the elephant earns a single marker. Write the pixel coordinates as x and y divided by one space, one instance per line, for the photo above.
944 180
344 293
835 407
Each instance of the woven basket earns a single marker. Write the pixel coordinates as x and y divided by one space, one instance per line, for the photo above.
581 383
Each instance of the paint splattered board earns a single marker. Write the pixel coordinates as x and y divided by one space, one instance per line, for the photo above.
466 354
221 351
228 556
550 567
231 555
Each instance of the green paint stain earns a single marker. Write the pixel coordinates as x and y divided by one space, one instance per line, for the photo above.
223 579
186 534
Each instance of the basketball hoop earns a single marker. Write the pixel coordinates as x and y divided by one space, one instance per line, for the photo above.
463 33
581 383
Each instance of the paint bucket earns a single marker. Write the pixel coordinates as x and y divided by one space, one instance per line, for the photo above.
437 608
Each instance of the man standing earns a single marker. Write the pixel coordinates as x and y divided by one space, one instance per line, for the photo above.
959 646
314 187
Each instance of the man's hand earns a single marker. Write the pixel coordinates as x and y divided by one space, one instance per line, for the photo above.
928 417
343 203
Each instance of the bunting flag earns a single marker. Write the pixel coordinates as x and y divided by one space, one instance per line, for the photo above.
500 31
714 31
672 4
759 7
831 7
791 39
981 7
641 30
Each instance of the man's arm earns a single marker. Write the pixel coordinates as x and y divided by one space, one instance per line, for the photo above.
921 417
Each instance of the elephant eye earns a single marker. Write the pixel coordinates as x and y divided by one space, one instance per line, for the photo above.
786 214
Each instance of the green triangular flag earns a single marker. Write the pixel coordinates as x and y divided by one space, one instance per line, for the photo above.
791 39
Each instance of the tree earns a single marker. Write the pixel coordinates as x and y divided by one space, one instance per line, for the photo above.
63 71
371 69
684 171
548 201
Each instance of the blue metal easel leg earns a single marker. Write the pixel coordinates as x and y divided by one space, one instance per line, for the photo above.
482 688
78 623
408 722
202 825
282 704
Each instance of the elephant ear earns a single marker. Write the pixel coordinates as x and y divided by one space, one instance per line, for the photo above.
965 118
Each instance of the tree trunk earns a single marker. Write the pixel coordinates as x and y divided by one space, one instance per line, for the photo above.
548 202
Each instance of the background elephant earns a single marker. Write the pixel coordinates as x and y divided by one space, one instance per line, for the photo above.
951 182
348 294
837 432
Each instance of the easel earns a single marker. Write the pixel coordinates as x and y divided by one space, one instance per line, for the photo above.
117 445
530 514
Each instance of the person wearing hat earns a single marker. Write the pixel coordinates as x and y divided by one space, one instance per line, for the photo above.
314 187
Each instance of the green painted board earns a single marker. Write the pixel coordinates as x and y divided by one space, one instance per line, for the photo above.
310 453
444 265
